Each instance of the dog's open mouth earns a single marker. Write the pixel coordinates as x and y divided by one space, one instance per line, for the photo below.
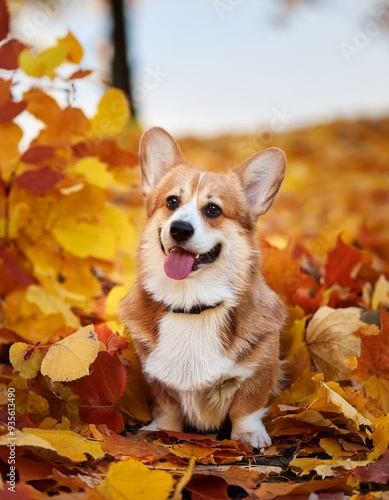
179 263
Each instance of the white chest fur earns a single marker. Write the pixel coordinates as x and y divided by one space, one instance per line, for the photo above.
189 355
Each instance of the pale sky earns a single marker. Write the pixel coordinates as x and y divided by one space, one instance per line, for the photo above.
206 67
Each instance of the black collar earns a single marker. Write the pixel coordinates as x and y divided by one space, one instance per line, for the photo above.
193 310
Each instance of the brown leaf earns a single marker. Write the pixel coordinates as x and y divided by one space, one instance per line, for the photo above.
331 340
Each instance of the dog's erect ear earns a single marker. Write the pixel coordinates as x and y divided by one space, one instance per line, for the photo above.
158 152
261 177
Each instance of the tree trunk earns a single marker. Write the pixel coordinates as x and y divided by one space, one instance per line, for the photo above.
121 67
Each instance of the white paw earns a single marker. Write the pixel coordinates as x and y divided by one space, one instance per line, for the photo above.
151 427
251 430
256 439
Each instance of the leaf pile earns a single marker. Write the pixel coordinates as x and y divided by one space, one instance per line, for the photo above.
70 215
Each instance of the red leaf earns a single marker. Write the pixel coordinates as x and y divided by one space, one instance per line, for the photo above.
100 391
13 270
81 73
207 488
38 181
377 472
37 154
5 91
9 53
11 109
4 20
113 341
342 261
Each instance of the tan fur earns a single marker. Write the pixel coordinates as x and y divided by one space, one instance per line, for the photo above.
226 358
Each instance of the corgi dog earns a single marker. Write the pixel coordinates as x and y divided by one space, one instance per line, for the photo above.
205 324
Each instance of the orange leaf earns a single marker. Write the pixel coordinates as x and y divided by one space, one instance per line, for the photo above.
74 49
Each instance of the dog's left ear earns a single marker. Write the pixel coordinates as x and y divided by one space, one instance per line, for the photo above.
158 152
261 177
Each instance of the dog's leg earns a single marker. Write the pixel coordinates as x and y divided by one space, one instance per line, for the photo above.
248 409
166 411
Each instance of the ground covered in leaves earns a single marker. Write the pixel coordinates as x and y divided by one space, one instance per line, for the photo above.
73 397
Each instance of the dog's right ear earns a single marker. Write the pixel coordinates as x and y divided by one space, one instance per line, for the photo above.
158 152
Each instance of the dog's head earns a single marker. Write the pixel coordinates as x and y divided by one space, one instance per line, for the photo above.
199 237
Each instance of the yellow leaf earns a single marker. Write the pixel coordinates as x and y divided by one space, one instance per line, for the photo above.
37 405
131 480
73 48
10 135
381 293
70 358
83 239
94 172
331 340
112 113
327 400
49 304
26 359
325 468
380 437
42 64
65 443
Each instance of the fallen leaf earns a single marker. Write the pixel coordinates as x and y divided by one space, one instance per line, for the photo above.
26 359
380 437
342 262
381 293
100 392
377 472
65 443
373 364
330 339
132 480
70 358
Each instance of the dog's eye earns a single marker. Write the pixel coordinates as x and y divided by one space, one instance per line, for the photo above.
172 202
212 210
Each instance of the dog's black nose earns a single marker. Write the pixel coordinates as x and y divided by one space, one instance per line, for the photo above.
181 230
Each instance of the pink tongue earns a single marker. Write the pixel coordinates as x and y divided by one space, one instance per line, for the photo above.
178 264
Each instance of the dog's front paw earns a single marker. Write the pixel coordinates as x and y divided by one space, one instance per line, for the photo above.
256 439
250 429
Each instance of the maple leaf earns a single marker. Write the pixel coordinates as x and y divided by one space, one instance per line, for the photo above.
373 364
112 341
342 261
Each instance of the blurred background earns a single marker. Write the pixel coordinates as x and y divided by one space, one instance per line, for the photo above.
205 67
231 77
